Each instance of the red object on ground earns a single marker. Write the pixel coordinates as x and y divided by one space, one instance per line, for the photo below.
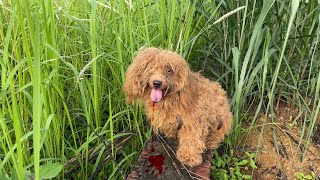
157 161
154 164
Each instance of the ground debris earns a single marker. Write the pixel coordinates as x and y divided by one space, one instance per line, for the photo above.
166 166
291 158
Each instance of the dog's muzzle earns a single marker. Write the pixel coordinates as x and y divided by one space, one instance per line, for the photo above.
156 92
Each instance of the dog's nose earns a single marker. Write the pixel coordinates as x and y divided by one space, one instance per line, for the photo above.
157 83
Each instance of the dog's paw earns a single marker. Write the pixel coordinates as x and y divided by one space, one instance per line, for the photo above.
188 158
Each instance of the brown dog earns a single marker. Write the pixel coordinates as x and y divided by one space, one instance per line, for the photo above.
187 106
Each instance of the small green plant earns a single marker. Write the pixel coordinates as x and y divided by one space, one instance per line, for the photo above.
301 176
228 166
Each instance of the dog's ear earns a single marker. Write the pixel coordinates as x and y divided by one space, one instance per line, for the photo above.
181 70
183 74
136 75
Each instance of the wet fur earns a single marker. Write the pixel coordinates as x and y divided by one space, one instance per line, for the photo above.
192 109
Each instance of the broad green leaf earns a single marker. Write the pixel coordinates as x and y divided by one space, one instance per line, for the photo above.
299 175
308 177
4 177
50 170
243 162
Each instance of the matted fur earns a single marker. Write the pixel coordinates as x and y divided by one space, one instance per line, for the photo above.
192 109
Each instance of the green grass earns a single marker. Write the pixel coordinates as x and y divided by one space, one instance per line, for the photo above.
63 65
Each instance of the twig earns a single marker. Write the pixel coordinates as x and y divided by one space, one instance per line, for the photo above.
269 170
280 152
106 149
164 147
104 162
284 149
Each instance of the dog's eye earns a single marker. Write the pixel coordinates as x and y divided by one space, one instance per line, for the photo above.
169 71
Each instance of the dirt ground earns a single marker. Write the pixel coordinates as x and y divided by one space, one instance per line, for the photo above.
290 160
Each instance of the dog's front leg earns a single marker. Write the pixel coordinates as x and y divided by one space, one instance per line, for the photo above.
170 131
172 128
191 144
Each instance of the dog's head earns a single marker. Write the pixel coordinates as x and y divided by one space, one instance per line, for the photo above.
155 74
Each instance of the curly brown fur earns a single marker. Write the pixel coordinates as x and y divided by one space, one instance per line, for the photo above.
192 108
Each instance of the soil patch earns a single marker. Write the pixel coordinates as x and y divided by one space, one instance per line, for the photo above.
291 156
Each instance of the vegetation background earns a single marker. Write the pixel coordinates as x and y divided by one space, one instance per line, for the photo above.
63 65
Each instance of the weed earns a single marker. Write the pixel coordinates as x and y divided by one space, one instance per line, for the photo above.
229 166
301 176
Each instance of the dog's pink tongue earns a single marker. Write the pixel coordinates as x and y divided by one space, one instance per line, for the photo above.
156 95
